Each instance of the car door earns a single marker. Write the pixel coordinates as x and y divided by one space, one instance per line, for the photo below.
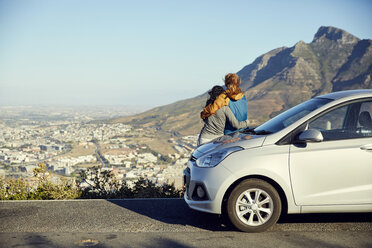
337 170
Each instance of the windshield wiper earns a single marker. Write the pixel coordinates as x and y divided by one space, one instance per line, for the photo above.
248 131
252 131
262 132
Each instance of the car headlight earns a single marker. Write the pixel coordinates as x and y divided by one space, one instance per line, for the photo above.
214 158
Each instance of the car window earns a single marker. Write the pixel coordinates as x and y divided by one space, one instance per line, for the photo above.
292 115
333 120
295 117
364 124
345 122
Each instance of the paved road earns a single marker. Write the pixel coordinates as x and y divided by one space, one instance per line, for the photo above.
164 223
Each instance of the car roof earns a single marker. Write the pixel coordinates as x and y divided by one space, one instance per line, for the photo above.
341 94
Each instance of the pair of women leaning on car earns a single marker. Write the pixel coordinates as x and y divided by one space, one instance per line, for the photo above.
225 111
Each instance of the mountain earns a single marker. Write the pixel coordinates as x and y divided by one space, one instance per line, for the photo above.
335 60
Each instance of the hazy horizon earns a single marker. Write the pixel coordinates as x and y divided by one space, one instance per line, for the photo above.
66 105
147 54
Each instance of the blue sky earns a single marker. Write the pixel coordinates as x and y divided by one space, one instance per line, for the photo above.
149 53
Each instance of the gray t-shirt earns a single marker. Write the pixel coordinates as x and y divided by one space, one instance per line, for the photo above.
215 125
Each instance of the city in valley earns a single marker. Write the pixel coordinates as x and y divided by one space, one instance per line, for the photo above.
70 140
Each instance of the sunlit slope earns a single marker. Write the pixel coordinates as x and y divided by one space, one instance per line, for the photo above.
179 117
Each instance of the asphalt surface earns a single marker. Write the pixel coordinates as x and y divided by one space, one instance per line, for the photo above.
164 223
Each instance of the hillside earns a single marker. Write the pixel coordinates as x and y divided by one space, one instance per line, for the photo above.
178 117
335 60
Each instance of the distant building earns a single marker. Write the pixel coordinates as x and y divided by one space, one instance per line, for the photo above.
45 148
49 148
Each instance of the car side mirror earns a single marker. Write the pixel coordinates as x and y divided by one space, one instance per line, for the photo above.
311 135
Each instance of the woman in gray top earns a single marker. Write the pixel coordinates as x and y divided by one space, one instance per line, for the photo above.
215 124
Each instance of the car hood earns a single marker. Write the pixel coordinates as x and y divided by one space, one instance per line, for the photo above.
246 141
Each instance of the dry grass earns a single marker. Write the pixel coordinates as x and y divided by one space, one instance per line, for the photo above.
159 142
89 165
161 145
81 150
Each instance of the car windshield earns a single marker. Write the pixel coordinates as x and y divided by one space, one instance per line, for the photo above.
290 116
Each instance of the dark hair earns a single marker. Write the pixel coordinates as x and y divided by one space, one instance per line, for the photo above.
214 93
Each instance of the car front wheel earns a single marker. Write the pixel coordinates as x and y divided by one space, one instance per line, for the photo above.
253 206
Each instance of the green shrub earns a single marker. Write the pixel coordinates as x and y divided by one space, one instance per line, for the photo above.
14 189
43 189
46 190
103 184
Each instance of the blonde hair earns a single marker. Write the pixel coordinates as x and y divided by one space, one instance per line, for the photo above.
232 82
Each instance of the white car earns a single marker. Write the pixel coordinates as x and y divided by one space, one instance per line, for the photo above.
313 158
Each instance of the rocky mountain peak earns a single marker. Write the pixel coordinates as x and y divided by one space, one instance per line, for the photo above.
300 45
280 79
334 34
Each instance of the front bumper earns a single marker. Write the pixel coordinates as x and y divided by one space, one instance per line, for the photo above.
214 181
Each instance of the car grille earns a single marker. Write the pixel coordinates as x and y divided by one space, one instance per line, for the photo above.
186 180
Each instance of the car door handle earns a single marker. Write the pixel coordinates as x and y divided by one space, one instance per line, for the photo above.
366 147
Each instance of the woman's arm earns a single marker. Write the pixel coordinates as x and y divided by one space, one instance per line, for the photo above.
222 100
230 117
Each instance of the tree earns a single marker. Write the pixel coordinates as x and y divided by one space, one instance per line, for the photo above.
102 183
